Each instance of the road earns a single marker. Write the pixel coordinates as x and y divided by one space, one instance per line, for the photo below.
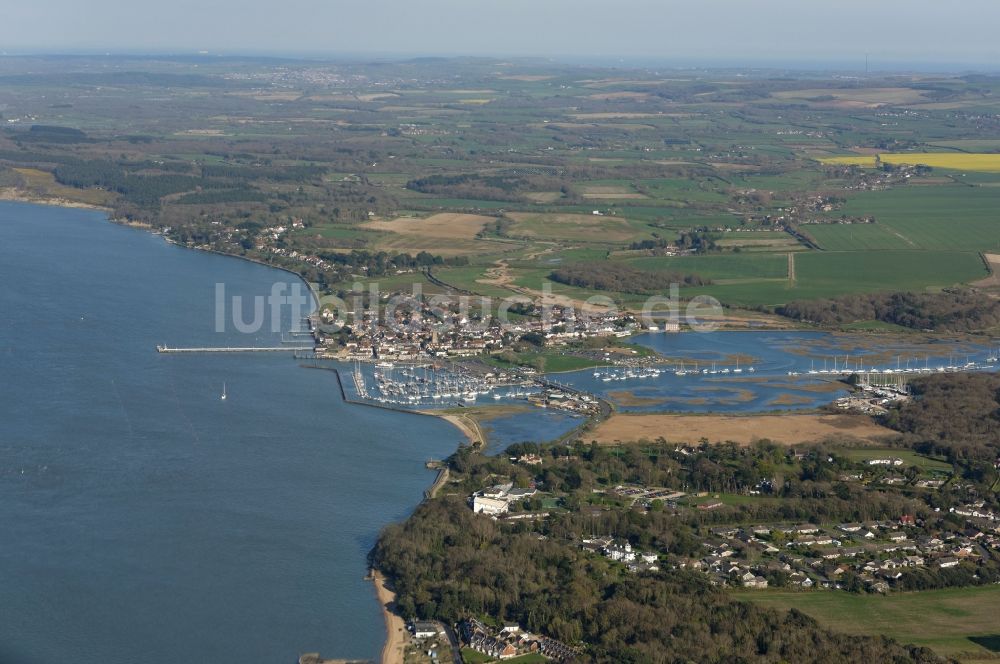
456 650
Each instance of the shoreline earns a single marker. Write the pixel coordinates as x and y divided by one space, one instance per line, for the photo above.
469 427
395 628
17 196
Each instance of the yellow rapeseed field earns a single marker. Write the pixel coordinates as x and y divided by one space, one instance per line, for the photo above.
982 162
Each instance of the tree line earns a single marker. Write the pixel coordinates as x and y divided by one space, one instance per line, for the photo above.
948 311
622 278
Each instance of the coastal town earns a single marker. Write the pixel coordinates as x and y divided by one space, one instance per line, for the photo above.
870 555
939 532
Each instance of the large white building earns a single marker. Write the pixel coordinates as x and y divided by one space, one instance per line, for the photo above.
485 505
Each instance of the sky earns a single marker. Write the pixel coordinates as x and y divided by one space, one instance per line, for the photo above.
684 32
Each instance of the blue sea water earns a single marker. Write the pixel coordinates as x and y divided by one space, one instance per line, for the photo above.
142 517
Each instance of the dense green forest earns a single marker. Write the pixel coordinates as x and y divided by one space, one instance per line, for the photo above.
948 311
621 278
956 415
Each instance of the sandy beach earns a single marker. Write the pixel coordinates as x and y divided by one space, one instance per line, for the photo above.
469 427
788 429
395 641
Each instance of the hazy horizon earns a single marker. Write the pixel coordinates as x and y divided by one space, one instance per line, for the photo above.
781 33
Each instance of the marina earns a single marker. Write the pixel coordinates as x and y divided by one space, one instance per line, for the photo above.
429 385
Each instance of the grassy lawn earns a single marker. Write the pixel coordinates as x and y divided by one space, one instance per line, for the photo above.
470 656
731 499
955 622
909 457
552 361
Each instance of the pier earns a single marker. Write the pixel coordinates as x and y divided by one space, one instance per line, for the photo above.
235 349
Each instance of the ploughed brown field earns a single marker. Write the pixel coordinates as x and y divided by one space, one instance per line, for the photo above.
787 429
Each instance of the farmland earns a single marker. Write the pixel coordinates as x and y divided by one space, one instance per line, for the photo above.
955 161
509 171
922 218
959 623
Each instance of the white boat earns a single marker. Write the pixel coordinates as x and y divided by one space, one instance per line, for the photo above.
224 395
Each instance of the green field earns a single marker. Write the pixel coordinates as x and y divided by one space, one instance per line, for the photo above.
855 237
762 278
470 656
821 274
909 457
926 218
552 361
721 266
955 622
467 278
824 274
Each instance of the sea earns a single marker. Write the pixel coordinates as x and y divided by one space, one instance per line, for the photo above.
143 517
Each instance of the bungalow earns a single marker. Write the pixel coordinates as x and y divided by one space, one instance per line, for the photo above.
750 580
800 579
892 461
948 562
